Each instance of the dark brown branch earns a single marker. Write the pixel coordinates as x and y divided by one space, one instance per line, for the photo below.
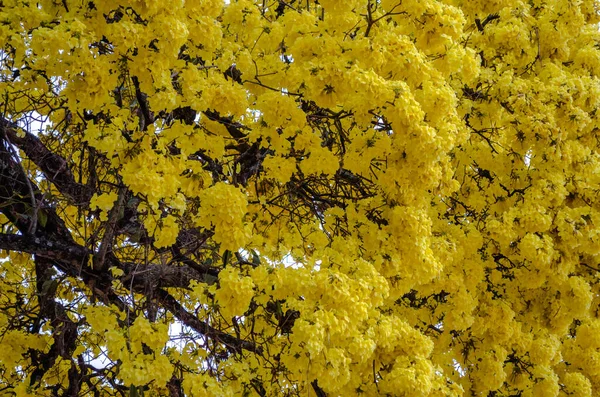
318 391
231 342
481 25
109 231
70 254
161 276
234 128
72 259
54 167
64 329
146 116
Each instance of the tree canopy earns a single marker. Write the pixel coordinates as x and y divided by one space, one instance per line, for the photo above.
300 198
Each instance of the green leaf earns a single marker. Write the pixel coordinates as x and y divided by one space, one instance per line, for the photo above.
42 217
49 287
255 257
226 257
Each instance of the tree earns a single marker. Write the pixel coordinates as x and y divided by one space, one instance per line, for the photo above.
263 198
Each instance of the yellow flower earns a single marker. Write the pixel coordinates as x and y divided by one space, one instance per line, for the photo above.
104 203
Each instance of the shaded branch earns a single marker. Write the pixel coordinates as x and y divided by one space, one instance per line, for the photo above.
318 391
55 250
54 167
146 116
65 331
234 128
109 231
72 259
231 342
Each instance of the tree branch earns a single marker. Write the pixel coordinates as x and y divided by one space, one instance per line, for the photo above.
54 167
72 259
231 342
109 231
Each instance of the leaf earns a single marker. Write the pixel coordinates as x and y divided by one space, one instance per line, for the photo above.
255 257
49 287
42 217
226 257
210 279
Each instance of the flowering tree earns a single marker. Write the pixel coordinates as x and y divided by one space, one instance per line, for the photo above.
326 198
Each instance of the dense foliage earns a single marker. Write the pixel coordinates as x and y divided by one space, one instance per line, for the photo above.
327 198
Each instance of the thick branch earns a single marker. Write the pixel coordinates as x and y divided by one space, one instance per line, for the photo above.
50 249
54 167
146 116
232 343
234 128
72 259
318 391
64 329
150 277
109 232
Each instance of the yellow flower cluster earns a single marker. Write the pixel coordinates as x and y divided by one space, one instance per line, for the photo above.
223 208
234 293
